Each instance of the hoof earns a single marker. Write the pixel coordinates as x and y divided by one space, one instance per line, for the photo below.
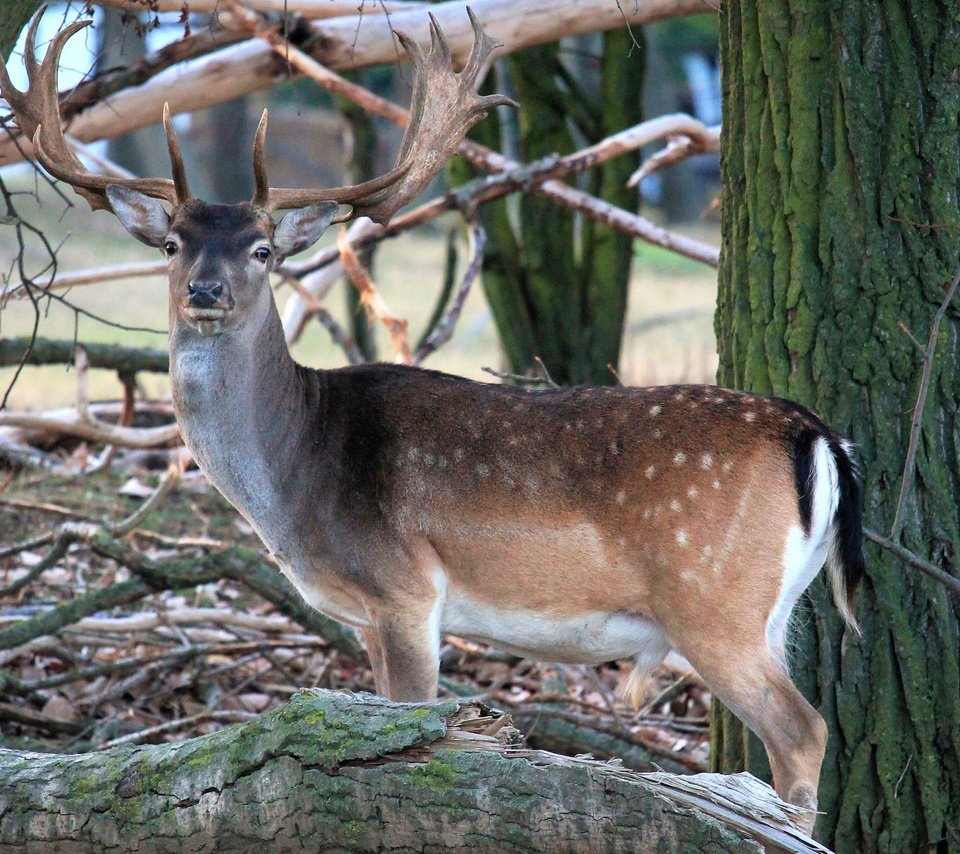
806 799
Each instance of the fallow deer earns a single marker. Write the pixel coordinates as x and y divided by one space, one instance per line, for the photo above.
574 525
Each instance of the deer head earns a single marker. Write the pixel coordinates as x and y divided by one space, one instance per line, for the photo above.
220 255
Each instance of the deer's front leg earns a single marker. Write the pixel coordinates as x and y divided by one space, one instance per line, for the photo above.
404 648
371 639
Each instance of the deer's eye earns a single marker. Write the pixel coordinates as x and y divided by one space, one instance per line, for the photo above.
262 253
170 248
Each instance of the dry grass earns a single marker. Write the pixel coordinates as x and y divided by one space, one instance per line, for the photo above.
408 272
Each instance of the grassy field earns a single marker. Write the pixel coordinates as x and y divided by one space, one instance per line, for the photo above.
669 336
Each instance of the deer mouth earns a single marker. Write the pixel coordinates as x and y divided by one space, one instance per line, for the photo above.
207 321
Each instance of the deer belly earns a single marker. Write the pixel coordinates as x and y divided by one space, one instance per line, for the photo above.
589 638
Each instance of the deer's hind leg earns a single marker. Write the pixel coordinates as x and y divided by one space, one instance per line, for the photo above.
755 685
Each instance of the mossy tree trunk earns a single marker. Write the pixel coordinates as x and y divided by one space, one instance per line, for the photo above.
556 282
841 160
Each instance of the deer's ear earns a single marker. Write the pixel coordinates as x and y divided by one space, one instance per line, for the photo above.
302 228
144 217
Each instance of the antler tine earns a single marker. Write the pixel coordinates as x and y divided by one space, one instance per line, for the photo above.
30 46
443 107
483 46
261 196
180 185
38 115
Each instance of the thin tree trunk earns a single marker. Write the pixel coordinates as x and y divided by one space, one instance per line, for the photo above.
333 771
841 164
557 284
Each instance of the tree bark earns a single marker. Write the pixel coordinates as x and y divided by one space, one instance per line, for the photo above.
841 168
338 772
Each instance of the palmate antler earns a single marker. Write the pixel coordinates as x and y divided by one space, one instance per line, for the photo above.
38 115
444 106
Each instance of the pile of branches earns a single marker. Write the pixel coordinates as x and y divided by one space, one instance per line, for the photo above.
113 633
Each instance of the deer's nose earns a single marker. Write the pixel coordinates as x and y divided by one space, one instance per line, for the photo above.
204 294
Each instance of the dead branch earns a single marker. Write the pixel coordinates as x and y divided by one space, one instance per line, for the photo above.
680 145
513 176
16 290
909 464
240 564
93 430
314 9
144 621
443 330
372 301
908 557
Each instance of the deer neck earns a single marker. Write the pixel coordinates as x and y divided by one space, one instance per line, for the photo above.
243 409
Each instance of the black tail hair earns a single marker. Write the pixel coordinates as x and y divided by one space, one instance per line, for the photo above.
845 563
848 523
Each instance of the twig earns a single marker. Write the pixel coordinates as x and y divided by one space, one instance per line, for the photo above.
312 9
692 141
522 379
227 717
56 551
909 464
170 479
925 566
313 308
372 301
442 332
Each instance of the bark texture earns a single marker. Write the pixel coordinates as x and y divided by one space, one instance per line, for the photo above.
841 165
339 772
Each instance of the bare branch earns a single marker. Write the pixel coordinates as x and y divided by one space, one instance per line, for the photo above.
93 430
308 305
909 464
93 276
350 43
681 144
314 9
442 332
372 301
908 557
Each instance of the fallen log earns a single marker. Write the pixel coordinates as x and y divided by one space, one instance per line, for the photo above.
335 771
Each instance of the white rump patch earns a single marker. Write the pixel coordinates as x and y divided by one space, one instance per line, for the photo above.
803 555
